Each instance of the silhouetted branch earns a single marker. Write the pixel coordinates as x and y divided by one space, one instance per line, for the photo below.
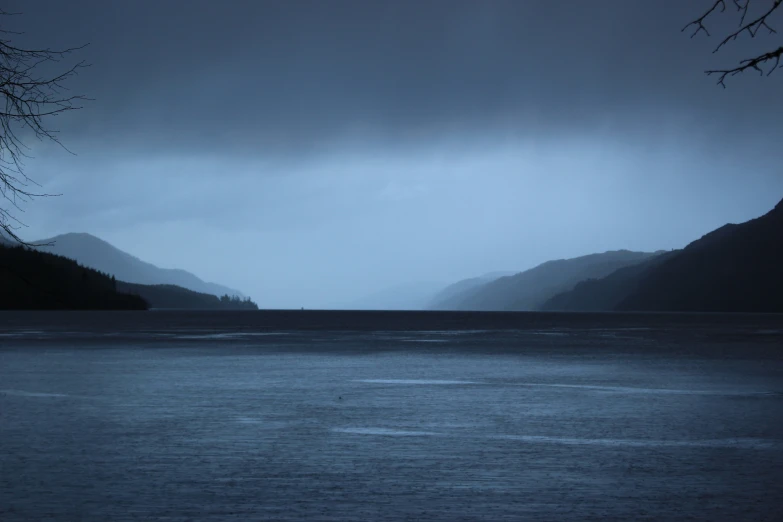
750 63
699 22
752 28
27 101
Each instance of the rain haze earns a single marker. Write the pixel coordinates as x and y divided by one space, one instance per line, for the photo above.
315 153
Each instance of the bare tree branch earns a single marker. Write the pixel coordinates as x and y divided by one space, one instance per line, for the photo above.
752 28
28 100
699 22
750 63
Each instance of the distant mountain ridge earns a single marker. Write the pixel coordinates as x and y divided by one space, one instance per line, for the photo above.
735 268
455 292
31 279
600 294
178 298
530 289
96 253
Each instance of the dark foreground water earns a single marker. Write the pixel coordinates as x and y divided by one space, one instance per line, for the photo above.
351 416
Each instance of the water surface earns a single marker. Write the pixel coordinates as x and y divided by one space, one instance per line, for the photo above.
340 416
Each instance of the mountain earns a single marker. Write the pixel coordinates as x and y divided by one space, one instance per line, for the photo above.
530 289
34 280
176 297
96 253
598 295
736 268
456 291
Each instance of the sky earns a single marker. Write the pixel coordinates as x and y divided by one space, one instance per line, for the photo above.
313 153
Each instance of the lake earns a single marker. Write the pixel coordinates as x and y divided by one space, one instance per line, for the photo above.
306 415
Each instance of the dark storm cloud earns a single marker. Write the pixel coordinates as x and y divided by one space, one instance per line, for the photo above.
287 77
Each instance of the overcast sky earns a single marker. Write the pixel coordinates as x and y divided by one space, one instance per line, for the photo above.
310 153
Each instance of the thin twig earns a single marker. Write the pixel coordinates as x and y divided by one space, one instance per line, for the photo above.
752 28
28 100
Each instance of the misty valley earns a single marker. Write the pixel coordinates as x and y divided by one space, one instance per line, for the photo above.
735 268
